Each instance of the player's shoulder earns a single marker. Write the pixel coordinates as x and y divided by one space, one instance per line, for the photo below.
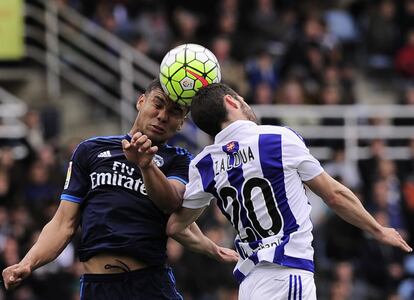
99 141
288 134
269 129
203 154
178 151
105 139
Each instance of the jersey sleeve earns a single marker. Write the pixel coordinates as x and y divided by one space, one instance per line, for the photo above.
77 178
307 166
195 196
179 168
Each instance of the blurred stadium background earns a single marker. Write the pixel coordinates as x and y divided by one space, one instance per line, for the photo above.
340 72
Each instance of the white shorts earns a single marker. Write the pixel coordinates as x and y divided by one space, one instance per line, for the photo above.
274 282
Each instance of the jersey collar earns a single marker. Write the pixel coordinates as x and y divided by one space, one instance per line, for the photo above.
234 128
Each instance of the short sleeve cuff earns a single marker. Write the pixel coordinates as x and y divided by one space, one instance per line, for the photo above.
183 181
196 203
310 176
70 198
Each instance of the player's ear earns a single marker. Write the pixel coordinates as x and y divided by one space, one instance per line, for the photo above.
229 100
140 101
180 126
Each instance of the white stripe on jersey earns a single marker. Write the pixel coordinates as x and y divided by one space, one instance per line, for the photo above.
256 174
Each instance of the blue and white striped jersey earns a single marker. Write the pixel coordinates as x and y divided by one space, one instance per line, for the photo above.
256 174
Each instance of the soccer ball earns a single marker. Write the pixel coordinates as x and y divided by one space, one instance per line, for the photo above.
187 68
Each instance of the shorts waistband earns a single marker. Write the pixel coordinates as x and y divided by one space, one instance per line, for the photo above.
122 276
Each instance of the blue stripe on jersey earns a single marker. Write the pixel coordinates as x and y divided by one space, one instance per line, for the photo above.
239 249
290 286
178 178
299 263
181 151
70 198
298 135
206 170
270 149
294 289
254 258
300 287
239 275
82 285
109 137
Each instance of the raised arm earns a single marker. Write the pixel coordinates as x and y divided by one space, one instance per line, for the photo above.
166 193
51 242
348 207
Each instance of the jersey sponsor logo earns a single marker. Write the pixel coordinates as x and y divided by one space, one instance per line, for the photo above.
233 160
121 176
247 249
158 160
68 175
105 154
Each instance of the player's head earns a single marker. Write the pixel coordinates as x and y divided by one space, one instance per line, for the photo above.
158 116
216 105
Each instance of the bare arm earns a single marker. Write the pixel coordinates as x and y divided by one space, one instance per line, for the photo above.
193 239
165 193
181 219
348 207
52 240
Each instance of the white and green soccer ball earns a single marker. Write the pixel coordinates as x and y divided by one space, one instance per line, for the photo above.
187 68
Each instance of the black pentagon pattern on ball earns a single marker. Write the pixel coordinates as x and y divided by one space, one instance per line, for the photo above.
193 66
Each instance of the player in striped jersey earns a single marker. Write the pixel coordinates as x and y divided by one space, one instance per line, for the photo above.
257 174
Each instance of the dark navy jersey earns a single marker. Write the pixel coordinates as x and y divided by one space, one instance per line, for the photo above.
117 215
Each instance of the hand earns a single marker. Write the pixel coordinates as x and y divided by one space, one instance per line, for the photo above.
390 236
225 255
13 275
140 150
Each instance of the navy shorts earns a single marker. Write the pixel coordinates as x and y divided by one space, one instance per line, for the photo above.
145 284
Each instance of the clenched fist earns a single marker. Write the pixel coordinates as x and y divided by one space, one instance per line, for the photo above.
13 275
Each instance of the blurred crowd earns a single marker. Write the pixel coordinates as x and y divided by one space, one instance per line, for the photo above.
274 52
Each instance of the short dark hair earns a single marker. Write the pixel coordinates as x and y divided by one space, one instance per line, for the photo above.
207 107
155 84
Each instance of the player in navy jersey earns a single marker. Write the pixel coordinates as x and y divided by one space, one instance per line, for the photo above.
258 175
123 208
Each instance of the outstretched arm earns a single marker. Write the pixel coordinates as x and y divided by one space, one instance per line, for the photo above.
348 207
52 240
182 228
181 219
166 193
193 239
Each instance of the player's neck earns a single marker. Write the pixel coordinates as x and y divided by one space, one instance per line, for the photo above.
135 128
231 121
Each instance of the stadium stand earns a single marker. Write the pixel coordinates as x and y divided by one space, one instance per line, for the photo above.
338 72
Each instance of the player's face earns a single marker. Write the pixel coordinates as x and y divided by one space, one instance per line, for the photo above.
159 118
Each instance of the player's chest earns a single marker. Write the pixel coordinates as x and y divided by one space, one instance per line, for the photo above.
112 162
